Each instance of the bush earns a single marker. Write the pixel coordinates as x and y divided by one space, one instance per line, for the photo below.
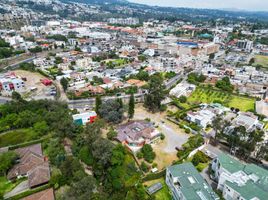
144 167
199 157
85 156
162 136
154 165
182 99
111 134
139 155
154 176
187 130
148 153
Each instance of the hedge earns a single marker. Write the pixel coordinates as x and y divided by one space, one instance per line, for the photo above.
154 176
28 143
30 192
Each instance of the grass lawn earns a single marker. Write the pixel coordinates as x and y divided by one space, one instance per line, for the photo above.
205 95
162 194
261 60
130 174
17 137
7 186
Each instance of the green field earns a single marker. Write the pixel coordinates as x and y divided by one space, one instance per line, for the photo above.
206 95
162 194
17 137
261 60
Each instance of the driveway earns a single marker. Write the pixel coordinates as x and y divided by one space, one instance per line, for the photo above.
22 187
174 136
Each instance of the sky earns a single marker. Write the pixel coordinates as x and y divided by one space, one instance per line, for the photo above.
250 5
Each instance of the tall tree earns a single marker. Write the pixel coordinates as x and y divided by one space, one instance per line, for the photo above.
64 82
98 104
156 93
131 106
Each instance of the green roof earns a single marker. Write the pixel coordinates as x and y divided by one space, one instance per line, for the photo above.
229 163
193 186
250 189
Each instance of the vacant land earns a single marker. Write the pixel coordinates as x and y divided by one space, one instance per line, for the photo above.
206 95
17 137
261 60
162 194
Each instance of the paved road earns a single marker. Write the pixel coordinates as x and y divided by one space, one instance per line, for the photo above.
90 102
22 187
173 81
4 100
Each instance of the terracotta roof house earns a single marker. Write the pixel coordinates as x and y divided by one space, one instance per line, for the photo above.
39 175
43 195
135 134
31 164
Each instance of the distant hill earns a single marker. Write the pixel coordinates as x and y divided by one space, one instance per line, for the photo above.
173 13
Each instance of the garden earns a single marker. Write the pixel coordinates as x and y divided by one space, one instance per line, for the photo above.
209 95
162 194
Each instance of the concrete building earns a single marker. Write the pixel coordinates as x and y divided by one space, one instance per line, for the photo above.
239 181
245 45
186 183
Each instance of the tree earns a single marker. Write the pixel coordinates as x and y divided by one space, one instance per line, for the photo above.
64 82
16 96
217 126
211 56
112 111
143 75
156 93
144 167
148 153
82 189
98 103
195 78
41 127
225 84
251 61
183 99
131 106
7 160
199 157
111 134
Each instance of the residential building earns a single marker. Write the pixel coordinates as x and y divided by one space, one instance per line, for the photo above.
47 194
85 118
239 180
135 134
32 164
182 89
245 45
186 183
248 120
124 21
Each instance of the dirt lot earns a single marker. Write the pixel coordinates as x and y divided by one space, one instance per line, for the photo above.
174 136
33 81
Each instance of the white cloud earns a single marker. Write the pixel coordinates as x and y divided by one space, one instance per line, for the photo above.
251 5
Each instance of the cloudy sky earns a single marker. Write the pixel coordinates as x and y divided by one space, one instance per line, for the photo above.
252 5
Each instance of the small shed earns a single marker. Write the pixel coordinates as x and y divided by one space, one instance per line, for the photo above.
46 82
